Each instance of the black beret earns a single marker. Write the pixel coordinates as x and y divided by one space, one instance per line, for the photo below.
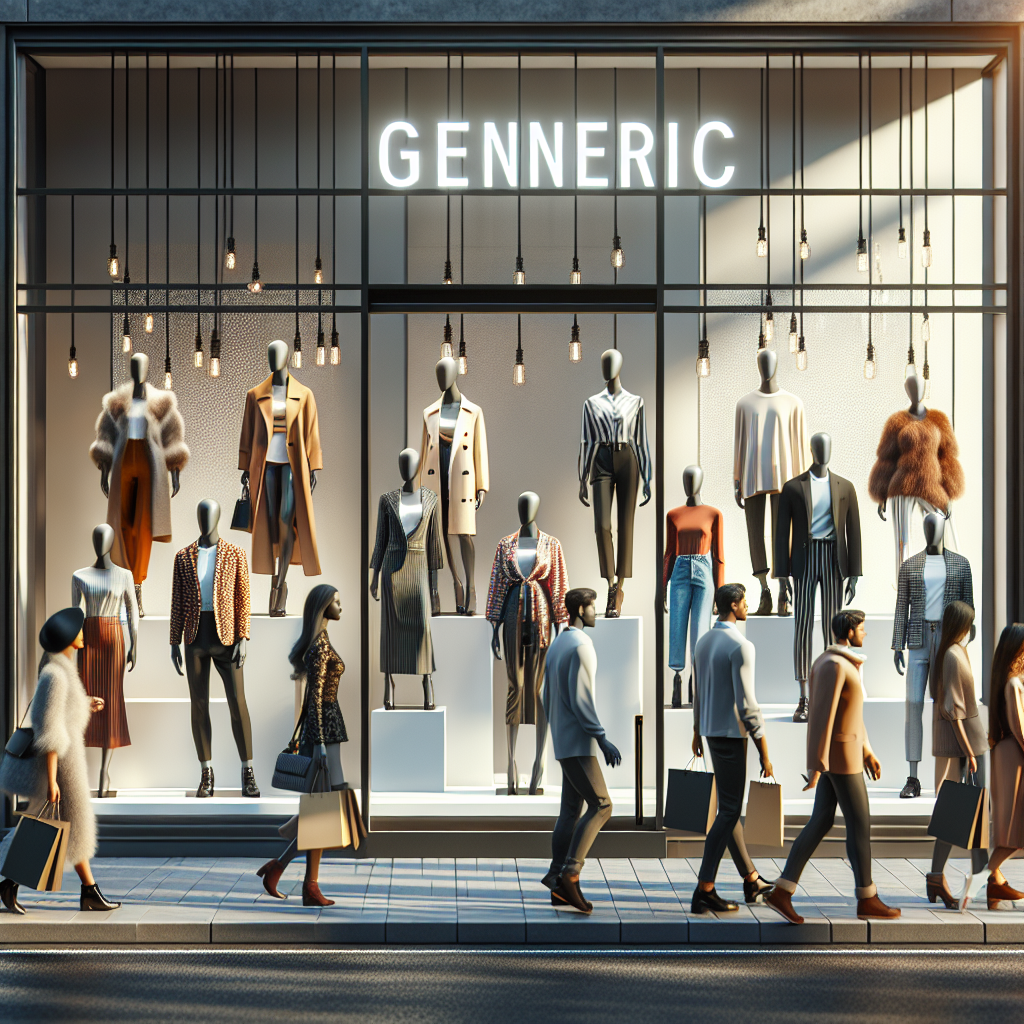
60 629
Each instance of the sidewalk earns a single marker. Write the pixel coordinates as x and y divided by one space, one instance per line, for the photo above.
492 901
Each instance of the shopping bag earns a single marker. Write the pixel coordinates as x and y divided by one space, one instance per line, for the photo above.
691 802
322 825
764 822
35 858
960 815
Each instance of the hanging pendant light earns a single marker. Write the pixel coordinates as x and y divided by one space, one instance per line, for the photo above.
575 345
762 242
214 352
869 362
704 354
126 336
926 249
230 257
519 367
901 244
794 334
926 373
335 345
805 246
73 354
926 329
575 277
901 238
862 255
801 354
761 341
149 323
318 266
255 285
446 344
318 271
321 348
769 321
519 276
198 357
463 359
168 376
113 264
618 257
297 346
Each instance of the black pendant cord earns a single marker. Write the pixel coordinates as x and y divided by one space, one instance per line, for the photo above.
319 262
216 185
926 150
793 171
899 158
913 237
334 197
871 201
519 170
575 194
703 243
167 213
255 168
148 314
802 225
952 260
73 354
199 199
767 173
760 155
860 147
463 362
231 217
113 245
615 177
297 336
127 180
448 196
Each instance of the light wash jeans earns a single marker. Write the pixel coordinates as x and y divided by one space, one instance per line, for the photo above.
691 591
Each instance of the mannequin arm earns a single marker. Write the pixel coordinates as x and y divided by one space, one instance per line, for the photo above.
132 655
435 597
495 642
897 660
881 511
176 659
480 498
647 495
973 633
175 481
583 493
245 477
312 481
240 651
851 589
373 584
736 493
105 481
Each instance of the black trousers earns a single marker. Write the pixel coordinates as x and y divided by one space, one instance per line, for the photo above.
754 510
851 795
582 783
615 474
204 650
729 760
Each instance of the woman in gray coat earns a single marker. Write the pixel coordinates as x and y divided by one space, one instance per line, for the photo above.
55 772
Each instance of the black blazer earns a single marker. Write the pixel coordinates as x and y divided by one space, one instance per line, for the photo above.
794 526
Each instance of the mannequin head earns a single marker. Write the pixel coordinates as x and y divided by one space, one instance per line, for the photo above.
934 529
767 364
408 463
914 386
208 514
693 480
277 355
140 367
102 539
821 448
447 371
529 506
611 363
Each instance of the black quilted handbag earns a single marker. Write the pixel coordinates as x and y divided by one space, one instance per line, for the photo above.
293 770
241 518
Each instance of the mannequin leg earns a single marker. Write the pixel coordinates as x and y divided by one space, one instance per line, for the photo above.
831 596
453 568
428 692
467 548
197 671
680 592
753 511
917 682
511 733
287 535
627 484
272 495
601 492
234 689
389 691
104 781
534 676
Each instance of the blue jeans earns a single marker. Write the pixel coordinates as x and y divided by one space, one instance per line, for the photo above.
691 591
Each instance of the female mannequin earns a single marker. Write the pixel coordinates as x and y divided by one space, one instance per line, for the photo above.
527 591
101 590
279 455
408 550
614 458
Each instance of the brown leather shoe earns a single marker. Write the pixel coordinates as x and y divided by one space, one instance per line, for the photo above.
765 607
873 907
997 892
783 605
567 890
782 903
271 874
313 897
936 888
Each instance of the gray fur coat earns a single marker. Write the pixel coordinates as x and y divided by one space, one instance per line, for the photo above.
60 713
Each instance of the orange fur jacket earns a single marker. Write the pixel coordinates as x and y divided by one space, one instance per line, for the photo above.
917 458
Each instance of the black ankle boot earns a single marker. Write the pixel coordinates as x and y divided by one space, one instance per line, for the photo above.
702 902
93 899
677 691
206 783
9 896
249 787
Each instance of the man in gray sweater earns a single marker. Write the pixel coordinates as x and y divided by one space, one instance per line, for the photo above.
577 736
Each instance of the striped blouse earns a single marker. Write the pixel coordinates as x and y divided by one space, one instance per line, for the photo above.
615 419
102 593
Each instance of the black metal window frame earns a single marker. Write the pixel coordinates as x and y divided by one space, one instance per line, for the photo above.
1005 41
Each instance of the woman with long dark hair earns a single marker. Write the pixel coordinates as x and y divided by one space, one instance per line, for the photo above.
958 735
317 664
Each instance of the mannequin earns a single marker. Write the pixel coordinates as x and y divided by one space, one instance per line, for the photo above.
694 568
917 466
928 582
453 454
818 543
281 442
408 550
770 446
216 631
102 590
614 458
527 592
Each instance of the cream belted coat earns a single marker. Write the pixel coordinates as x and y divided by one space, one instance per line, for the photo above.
303 435
468 472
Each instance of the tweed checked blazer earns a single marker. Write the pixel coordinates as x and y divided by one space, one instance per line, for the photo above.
230 594
908 625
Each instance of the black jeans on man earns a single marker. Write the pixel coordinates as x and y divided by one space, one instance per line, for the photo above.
582 783
729 760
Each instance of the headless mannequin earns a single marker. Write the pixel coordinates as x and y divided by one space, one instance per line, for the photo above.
693 481
447 372
279 492
139 370
526 558
411 509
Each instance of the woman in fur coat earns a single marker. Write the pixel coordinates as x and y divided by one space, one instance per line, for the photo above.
56 771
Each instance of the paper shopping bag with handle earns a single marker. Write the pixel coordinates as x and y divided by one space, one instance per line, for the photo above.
960 815
691 802
35 858
764 822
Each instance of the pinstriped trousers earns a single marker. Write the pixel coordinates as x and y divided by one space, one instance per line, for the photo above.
821 568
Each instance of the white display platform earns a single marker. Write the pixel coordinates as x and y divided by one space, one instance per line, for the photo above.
407 751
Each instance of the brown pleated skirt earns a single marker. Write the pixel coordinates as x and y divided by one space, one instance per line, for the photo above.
101 666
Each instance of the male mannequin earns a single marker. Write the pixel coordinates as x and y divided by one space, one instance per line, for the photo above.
279 455
928 581
210 609
453 454
916 466
819 509
101 590
770 447
614 458
578 737
694 568
527 592
408 550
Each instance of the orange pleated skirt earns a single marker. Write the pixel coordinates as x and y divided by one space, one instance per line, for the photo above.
101 666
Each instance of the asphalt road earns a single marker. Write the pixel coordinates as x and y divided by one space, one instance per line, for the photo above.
517 987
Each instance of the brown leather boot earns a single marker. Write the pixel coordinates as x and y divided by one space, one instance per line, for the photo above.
782 903
271 874
999 891
313 897
873 907
938 889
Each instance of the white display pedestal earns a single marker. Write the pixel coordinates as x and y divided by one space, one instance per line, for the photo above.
407 751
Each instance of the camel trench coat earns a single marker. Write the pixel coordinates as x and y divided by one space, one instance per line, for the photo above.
303 434
468 471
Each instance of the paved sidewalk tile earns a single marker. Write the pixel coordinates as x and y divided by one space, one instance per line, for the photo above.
265 924
738 926
347 921
919 925
176 924
775 929
640 927
1001 925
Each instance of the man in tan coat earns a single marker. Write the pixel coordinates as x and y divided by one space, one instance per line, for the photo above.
838 753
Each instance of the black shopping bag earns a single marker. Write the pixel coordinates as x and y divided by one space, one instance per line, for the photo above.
36 855
960 815
691 803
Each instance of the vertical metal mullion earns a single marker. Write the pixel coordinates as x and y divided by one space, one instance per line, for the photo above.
1014 375
659 447
364 408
